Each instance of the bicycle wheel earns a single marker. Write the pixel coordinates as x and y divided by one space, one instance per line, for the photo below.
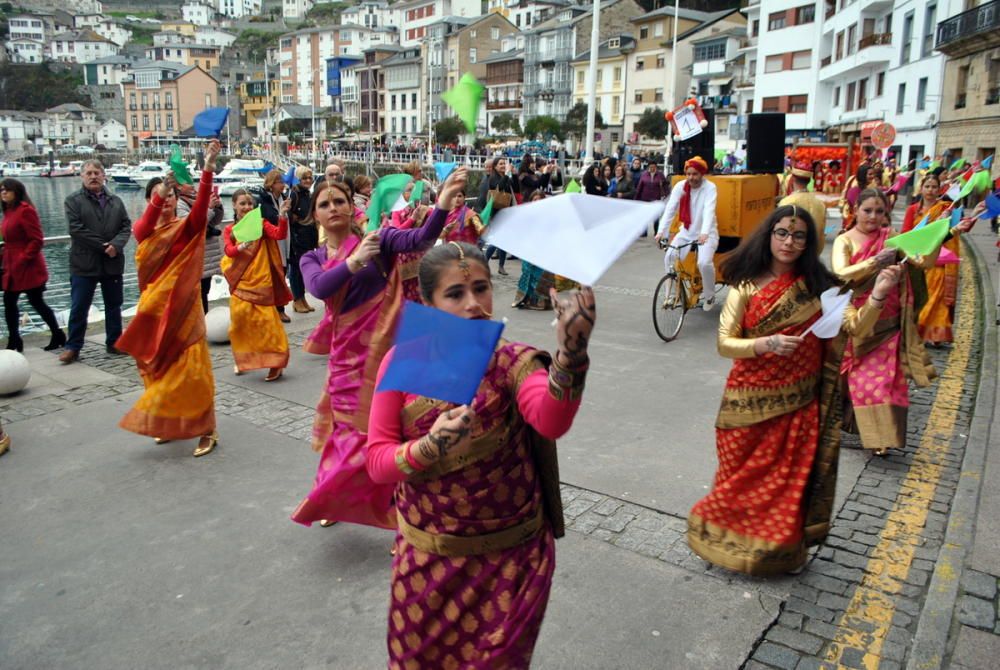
669 307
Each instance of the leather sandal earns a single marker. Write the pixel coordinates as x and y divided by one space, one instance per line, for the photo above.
206 445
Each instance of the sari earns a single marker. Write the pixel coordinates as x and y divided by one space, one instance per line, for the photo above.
167 335
461 225
935 319
876 366
475 549
777 435
533 286
256 285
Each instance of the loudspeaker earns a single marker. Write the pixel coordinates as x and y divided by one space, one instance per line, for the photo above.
766 142
702 144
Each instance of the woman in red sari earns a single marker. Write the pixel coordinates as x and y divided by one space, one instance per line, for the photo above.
877 365
167 335
477 486
257 285
778 428
358 276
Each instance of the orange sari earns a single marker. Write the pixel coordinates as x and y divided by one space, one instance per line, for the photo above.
167 339
256 286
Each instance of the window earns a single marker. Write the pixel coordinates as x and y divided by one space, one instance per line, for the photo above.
927 44
904 54
863 93
770 104
658 95
774 63
755 29
661 62
392 103
156 121
712 51
849 100
801 60
879 84
797 104
836 96
805 14
852 42
658 29
600 76
638 97
145 121
922 94
618 76
580 74
413 103
839 52
472 55
135 122
472 34
644 32
640 64
170 121
616 104
776 21
993 82
961 86
170 99
145 101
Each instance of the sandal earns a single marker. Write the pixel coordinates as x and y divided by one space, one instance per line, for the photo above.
274 374
206 444
237 371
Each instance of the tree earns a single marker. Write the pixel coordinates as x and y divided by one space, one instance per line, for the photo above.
576 120
506 123
447 131
653 124
545 127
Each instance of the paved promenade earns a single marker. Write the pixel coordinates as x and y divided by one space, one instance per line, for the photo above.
117 553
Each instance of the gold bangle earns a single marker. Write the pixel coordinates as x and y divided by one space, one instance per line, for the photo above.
401 461
562 379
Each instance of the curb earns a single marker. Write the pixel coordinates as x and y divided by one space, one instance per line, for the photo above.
931 640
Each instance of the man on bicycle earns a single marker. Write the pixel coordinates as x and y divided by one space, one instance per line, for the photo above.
696 205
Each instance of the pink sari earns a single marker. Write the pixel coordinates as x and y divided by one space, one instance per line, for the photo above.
876 367
356 341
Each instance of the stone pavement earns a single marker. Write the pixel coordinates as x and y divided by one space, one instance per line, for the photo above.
121 556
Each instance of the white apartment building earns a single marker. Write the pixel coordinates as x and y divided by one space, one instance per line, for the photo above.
69 124
350 101
110 71
81 46
239 8
714 66
26 50
526 13
296 9
214 37
17 130
26 39
198 12
404 109
371 14
113 30
417 15
112 134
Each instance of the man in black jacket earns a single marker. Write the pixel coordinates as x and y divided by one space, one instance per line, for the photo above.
100 228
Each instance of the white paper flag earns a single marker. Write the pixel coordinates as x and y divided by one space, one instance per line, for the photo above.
834 304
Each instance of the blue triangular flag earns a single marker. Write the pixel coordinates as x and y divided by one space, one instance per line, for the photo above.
444 169
986 163
290 179
440 356
210 122
956 217
992 207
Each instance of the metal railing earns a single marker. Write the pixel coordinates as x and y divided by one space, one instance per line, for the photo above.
984 19
875 39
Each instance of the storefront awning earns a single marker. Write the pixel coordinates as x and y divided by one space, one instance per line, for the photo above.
720 81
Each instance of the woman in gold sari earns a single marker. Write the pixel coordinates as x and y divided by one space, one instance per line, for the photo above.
167 335
256 287
778 428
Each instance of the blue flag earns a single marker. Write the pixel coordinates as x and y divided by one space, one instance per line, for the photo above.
992 207
986 163
443 170
290 179
210 122
440 356
956 217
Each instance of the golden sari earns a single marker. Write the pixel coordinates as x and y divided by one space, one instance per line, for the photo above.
167 339
256 286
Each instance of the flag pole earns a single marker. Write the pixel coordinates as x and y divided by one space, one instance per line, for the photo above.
595 39
672 102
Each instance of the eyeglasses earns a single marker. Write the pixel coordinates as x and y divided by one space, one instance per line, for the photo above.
799 239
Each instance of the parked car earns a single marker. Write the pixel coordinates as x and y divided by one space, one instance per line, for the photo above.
67 149
84 150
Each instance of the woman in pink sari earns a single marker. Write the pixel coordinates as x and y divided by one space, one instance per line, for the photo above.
358 278
876 366
477 486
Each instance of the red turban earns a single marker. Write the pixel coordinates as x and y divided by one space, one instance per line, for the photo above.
698 163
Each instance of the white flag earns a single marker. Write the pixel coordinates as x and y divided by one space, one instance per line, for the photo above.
834 304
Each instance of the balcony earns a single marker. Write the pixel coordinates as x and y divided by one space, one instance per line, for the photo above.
169 105
875 39
745 83
873 50
504 104
971 31
132 107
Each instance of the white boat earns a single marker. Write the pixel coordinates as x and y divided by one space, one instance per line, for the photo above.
119 174
146 170
228 186
58 170
19 169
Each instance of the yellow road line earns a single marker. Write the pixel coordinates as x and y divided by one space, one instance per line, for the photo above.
865 623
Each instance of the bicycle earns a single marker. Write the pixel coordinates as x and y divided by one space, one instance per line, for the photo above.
676 293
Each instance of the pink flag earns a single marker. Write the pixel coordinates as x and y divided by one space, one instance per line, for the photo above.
947 257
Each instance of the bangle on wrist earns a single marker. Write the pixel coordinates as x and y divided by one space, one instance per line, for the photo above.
872 297
563 381
403 459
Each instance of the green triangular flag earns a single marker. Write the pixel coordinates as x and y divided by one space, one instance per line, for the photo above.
921 241
812 185
934 165
487 212
465 99
957 164
179 166
983 180
573 187
417 193
250 228
386 193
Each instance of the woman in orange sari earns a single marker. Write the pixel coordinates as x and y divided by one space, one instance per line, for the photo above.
256 286
778 428
167 335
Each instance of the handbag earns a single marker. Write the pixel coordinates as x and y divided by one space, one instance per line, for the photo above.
501 199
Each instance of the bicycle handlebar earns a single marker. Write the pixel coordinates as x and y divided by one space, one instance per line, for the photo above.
664 244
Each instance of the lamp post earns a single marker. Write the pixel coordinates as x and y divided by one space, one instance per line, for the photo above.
595 40
312 98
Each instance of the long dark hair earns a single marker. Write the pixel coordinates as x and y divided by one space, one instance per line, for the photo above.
346 191
753 257
20 194
435 260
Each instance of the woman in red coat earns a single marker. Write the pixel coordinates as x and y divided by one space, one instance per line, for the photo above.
24 268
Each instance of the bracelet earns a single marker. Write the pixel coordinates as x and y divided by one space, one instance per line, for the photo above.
772 343
872 297
403 459
563 380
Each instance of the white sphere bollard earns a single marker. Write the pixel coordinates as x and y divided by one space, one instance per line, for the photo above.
14 372
217 325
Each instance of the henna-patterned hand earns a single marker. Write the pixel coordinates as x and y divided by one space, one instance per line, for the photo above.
451 430
575 321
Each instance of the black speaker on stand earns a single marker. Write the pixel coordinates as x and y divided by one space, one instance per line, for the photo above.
702 144
766 143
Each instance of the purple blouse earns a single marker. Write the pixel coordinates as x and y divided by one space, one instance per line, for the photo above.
367 281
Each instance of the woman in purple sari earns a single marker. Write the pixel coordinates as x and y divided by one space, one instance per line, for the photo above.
477 486
358 278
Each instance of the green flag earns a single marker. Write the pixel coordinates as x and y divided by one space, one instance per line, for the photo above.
465 99
921 241
573 187
983 180
386 193
487 212
179 166
417 193
933 166
250 228
812 185
957 164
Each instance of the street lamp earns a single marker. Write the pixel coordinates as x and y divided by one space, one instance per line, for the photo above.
312 98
